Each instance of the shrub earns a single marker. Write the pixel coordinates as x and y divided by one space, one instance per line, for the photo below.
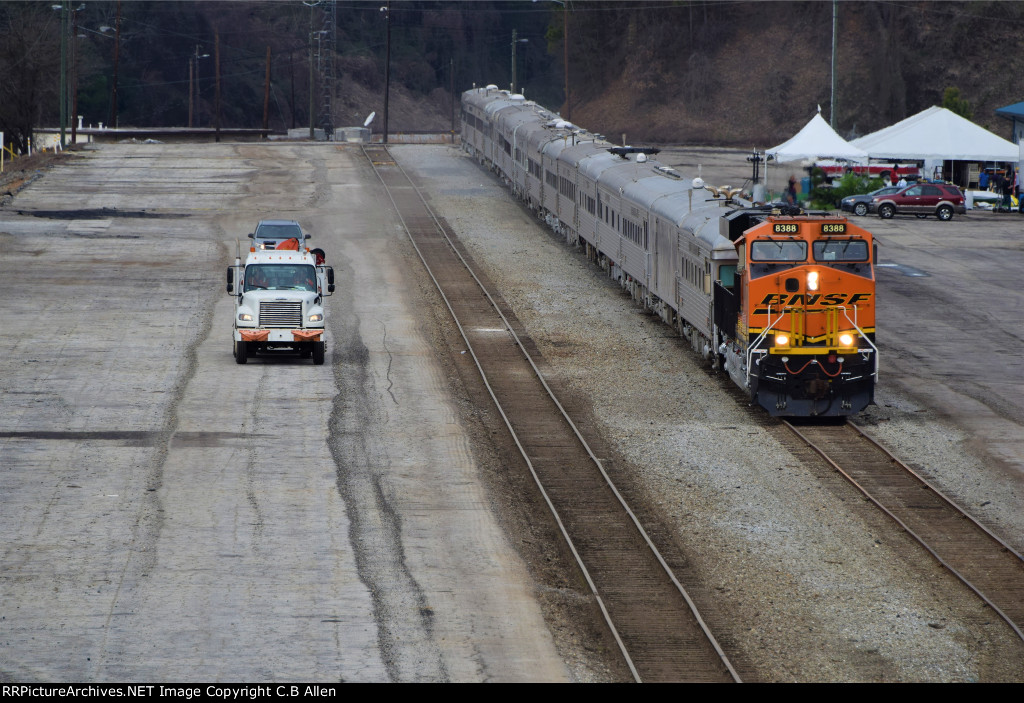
825 196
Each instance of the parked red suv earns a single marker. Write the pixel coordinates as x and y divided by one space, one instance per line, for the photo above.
921 199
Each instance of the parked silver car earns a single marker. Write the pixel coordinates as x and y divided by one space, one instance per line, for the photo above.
270 233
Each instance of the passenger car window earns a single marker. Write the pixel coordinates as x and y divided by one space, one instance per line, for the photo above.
916 190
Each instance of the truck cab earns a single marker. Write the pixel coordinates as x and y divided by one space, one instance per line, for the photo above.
279 308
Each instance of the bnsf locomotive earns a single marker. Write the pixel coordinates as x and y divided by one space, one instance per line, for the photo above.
781 299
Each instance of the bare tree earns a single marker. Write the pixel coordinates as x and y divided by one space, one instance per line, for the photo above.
30 66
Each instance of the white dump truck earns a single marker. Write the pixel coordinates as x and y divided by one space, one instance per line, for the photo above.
279 303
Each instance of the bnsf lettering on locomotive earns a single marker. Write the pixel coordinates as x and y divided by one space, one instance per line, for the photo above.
777 300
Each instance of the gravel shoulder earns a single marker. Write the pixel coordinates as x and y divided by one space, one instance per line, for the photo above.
803 579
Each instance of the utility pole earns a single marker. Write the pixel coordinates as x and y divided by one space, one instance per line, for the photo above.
832 109
74 74
216 98
311 5
64 7
326 52
266 97
387 66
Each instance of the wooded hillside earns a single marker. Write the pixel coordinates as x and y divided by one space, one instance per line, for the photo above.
691 71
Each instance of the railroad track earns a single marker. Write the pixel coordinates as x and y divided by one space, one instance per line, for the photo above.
658 630
986 564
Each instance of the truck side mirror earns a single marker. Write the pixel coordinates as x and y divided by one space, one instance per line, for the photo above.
231 279
251 235
308 236
330 279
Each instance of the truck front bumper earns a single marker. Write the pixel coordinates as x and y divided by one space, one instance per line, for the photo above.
279 336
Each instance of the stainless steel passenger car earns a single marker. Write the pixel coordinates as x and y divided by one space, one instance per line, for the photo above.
653 231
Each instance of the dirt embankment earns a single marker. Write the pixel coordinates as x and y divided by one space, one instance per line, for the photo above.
19 172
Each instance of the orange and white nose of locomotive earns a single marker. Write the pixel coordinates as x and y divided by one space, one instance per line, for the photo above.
809 312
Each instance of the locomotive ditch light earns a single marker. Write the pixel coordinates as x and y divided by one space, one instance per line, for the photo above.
812 280
781 340
846 339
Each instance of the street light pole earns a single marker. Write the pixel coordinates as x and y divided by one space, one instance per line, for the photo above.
565 54
311 5
514 42
193 84
64 7
565 58
117 51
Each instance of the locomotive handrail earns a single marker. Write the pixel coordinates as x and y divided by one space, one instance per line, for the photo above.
753 347
863 335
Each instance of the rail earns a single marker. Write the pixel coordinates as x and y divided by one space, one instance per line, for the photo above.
519 441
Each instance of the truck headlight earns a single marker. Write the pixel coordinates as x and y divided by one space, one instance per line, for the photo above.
316 317
244 317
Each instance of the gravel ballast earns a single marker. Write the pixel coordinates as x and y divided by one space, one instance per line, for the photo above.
802 579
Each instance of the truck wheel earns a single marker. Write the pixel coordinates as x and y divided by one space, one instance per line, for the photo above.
318 352
241 352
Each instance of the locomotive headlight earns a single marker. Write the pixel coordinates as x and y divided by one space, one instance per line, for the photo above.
781 340
846 339
812 280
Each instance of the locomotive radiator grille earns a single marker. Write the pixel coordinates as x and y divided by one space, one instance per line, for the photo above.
280 314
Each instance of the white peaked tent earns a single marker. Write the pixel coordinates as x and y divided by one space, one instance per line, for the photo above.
936 135
817 141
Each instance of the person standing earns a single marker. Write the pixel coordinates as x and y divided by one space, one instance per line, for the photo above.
791 191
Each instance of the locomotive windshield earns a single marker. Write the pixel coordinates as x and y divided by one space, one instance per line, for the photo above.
778 250
841 250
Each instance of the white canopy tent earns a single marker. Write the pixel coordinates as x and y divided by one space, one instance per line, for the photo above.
936 135
817 141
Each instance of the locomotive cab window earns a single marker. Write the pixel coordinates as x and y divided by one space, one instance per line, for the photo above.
840 250
781 250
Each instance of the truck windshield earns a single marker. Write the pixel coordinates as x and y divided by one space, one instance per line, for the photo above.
280 277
